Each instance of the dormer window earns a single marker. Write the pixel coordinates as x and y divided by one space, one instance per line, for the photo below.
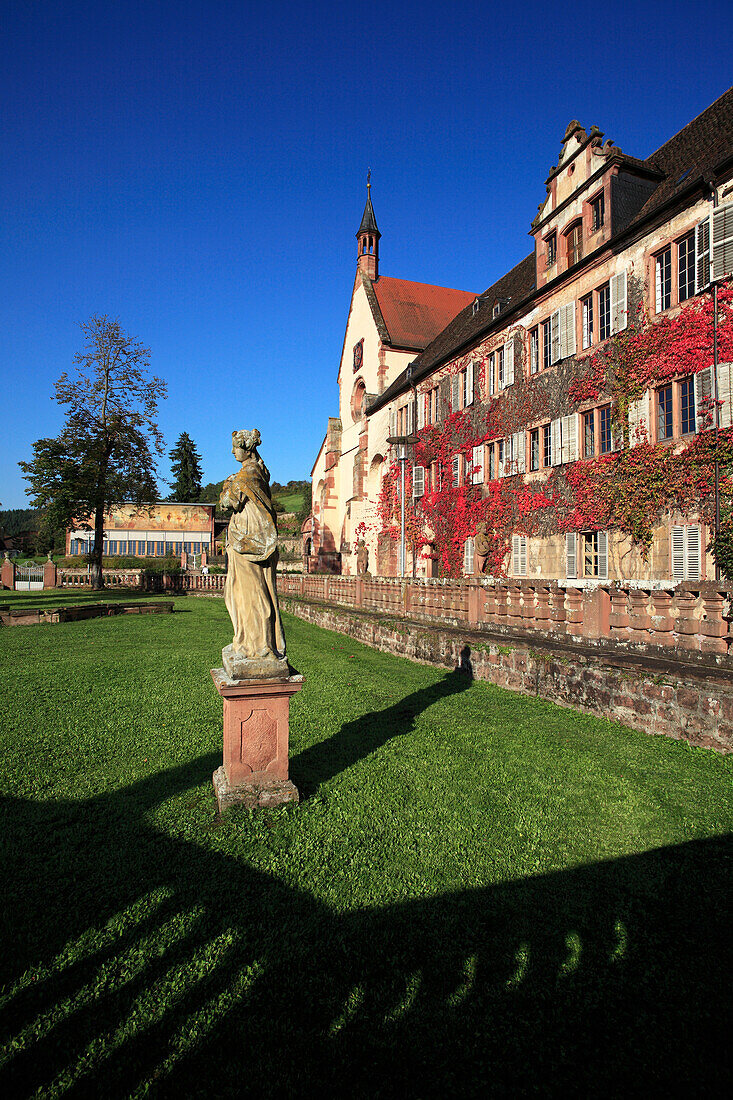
476 306
574 238
497 309
598 212
551 249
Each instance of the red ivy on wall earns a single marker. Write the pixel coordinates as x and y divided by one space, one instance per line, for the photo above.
628 489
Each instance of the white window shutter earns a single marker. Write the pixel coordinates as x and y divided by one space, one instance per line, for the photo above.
454 391
478 464
692 571
677 542
523 556
639 419
420 411
567 330
492 370
570 438
456 469
555 336
469 382
703 390
725 394
509 362
571 557
468 549
603 555
418 481
519 456
556 443
702 255
722 241
410 418
619 307
392 422
515 555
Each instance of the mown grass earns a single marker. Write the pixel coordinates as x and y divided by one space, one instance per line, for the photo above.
478 893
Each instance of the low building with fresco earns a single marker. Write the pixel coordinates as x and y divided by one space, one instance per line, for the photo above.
150 530
390 320
565 421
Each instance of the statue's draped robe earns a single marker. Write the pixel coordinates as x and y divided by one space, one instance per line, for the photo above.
250 590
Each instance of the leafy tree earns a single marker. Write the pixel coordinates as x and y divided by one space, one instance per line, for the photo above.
186 469
104 453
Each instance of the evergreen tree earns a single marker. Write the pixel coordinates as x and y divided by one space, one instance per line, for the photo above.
186 470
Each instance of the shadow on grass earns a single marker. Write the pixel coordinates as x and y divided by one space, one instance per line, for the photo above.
217 979
356 740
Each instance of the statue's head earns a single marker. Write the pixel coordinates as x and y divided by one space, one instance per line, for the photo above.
246 440
480 528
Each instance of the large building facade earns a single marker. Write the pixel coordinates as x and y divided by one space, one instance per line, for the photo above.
150 530
562 423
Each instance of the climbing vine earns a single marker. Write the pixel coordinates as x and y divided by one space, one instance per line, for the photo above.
628 489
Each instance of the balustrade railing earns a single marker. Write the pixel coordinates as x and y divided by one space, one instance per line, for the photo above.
692 617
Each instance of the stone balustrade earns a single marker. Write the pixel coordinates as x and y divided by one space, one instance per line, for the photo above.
693 617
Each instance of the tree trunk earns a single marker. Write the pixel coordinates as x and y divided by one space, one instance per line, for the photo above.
96 563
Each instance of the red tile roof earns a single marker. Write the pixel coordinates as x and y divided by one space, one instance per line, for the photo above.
414 313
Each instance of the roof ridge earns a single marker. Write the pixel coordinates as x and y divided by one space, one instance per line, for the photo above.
687 125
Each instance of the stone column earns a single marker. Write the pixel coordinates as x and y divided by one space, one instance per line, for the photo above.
618 620
640 621
713 627
574 613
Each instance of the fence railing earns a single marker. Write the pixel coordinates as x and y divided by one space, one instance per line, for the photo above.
695 617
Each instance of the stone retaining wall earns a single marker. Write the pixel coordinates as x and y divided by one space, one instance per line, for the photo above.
689 701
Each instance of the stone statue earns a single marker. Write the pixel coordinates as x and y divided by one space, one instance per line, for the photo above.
362 558
258 647
481 547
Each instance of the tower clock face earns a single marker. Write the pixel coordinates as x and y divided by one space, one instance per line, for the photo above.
358 355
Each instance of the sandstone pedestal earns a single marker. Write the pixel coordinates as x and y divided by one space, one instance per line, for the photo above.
256 728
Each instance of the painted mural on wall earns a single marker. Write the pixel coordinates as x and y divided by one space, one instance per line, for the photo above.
160 517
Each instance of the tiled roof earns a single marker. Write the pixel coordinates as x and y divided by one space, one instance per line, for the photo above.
517 285
414 313
700 146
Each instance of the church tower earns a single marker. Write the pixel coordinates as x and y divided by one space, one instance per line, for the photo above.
367 236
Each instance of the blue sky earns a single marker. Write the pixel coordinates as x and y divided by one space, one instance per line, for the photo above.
198 170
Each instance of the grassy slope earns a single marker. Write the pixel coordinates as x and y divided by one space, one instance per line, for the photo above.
477 892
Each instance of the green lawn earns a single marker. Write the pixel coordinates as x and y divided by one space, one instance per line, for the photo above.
479 893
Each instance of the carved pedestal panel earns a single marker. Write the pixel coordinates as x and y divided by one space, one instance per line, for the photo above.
256 728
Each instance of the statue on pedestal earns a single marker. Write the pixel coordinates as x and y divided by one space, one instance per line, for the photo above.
257 650
256 682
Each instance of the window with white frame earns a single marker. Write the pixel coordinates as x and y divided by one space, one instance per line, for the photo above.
686 267
418 481
491 372
586 555
519 555
686 552
546 344
456 470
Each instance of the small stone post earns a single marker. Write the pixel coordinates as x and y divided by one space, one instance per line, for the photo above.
8 572
49 573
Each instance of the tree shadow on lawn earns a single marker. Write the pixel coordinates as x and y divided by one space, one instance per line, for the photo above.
358 739
222 980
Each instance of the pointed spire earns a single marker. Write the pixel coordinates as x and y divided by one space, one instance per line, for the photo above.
368 221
